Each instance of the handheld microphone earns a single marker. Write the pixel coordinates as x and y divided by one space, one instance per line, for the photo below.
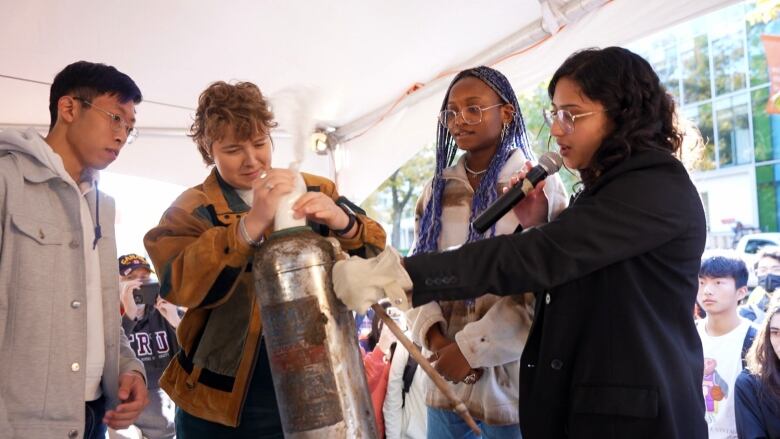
549 164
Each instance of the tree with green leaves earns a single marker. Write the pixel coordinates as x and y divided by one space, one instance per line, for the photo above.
395 199
764 11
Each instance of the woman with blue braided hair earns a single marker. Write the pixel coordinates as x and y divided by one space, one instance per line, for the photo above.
474 343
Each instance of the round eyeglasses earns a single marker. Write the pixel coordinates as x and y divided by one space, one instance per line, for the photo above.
116 121
472 115
565 119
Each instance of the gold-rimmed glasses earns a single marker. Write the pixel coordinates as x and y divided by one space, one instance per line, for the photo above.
472 115
564 118
117 122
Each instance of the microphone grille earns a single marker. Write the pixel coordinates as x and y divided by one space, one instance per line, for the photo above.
551 162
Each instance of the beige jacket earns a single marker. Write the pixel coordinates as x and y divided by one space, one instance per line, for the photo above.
492 332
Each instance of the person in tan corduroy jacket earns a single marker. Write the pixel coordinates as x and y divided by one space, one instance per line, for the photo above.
202 251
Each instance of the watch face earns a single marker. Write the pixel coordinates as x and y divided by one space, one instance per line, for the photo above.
352 219
346 208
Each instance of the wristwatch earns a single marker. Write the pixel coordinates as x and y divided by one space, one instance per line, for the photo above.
472 377
352 220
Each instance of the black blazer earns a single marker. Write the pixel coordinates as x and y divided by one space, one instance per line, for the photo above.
613 351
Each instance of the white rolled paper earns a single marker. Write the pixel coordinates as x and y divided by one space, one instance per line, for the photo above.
284 218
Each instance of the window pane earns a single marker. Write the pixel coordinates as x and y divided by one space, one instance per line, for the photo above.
661 53
766 128
766 185
757 58
694 53
756 55
734 142
728 57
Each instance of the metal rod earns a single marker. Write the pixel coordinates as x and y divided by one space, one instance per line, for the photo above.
458 406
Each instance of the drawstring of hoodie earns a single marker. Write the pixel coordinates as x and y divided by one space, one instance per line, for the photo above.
98 231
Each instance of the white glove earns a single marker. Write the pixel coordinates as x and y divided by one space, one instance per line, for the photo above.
359 282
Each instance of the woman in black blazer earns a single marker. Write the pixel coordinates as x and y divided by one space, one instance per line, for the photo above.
613 351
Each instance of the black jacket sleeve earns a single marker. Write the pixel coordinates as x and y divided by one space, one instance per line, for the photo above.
630 216
747 408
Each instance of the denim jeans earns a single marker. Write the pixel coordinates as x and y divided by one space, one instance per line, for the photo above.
94 428
253 426
446 424
260 417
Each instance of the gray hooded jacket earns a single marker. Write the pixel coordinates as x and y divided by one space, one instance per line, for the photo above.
43 303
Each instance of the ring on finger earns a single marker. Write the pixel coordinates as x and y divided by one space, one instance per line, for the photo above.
269 186
263 175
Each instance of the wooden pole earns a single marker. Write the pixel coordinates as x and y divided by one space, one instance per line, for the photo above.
458 406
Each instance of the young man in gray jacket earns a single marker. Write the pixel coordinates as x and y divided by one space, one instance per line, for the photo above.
67 369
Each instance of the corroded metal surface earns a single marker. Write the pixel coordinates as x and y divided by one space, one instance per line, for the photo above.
311 339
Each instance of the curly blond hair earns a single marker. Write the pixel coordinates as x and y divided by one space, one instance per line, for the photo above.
239 107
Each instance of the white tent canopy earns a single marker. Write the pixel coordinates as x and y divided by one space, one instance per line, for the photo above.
352 58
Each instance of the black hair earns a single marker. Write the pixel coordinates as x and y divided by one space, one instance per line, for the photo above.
89 80
641 111
446 148
769 251
725 266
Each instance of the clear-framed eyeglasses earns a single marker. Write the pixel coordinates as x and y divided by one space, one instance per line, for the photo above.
116 121
472 115
564 118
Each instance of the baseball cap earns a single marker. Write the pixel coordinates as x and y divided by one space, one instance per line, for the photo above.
132 261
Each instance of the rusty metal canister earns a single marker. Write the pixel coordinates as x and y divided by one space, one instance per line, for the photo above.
311 339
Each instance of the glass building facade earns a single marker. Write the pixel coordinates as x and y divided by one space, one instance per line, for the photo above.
716 68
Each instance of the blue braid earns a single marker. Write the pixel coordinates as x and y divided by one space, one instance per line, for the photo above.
446 148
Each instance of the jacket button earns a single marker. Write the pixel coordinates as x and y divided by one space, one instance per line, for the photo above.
428 282
75 367
73 434
547 298
75 304
73 244
556 364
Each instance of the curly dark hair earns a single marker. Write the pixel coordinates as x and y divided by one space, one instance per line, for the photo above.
642 112
222 106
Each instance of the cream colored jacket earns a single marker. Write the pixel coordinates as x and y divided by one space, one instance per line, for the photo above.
492 331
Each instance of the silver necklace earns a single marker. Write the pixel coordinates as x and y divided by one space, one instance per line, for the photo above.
474 173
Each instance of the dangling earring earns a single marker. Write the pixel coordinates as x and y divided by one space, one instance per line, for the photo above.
504 130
